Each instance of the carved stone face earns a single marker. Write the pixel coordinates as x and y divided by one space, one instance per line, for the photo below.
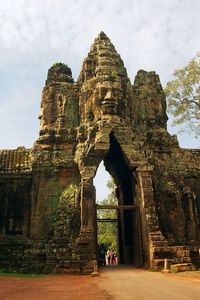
107 98
49 110
109 101
104 82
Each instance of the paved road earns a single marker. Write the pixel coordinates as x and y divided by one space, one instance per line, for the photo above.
124 283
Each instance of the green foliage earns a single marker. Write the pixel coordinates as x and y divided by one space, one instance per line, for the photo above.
151 269
183 96
107 235
56 64
69 195
113 74
14 274
111 197
107 231
173 271
67 211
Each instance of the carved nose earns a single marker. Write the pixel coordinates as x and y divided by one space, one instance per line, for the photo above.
109 95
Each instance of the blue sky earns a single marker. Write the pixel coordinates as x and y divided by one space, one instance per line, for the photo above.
153 35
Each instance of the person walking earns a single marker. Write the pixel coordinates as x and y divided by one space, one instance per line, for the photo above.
112 257
102 255
108 257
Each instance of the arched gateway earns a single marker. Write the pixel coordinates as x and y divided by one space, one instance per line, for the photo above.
47 197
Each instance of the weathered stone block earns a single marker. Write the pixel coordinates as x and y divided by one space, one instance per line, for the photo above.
183 267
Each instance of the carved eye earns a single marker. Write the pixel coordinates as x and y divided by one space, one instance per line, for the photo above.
117 93
114 92
103 92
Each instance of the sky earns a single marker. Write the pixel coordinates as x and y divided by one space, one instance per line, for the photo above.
153 35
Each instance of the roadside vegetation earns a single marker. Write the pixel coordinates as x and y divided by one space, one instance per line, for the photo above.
183 97
14 274
107 231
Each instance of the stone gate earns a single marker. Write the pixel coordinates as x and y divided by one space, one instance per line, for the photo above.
47 197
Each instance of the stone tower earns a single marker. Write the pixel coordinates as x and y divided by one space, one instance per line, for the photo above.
47 199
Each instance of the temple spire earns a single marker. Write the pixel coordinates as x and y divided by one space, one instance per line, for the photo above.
102 36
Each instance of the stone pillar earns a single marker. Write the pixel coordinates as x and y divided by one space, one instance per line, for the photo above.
87 205
88 195
87 239
152 235
166 265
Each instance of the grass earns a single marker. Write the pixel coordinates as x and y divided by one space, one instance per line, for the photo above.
189 272
195 272
14 274
173 271
151 270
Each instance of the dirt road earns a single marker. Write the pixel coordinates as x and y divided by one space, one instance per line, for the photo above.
115 283
61 287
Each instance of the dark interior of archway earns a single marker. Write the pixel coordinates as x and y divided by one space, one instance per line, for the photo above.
116 165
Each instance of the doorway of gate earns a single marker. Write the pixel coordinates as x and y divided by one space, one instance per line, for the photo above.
117 247
107 230
126 216
118 229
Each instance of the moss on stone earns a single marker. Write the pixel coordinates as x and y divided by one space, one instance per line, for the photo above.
66 219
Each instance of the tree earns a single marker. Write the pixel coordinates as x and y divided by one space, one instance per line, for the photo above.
183 96
107 230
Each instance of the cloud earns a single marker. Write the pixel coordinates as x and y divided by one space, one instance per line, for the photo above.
18 116
148 34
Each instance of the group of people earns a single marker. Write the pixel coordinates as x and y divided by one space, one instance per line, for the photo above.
106 257
111 257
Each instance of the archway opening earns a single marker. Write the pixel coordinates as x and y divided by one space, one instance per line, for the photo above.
107 219
128 233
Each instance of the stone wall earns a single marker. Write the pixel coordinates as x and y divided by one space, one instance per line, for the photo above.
177 193
15 186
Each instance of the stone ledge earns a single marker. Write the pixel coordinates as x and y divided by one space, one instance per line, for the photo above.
183 267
